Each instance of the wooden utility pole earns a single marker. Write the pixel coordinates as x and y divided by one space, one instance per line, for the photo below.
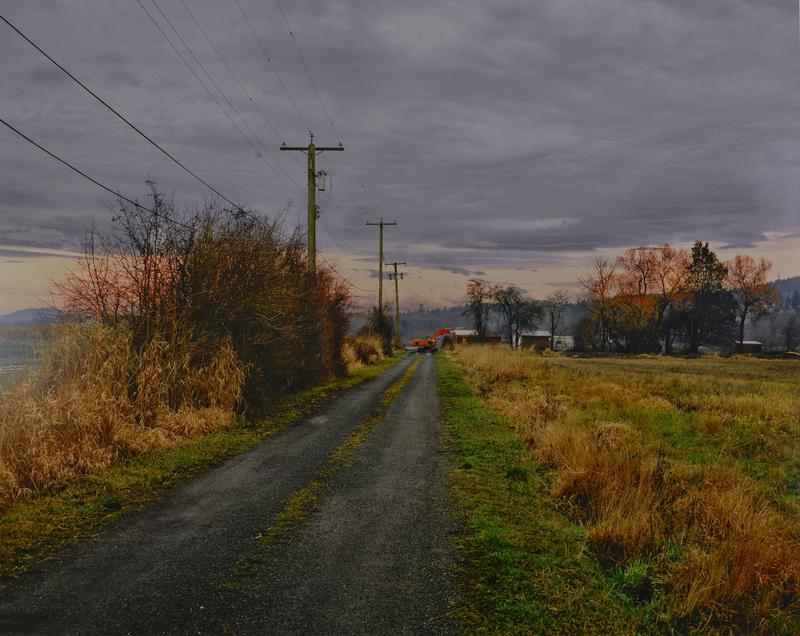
397 278
380 224
311 152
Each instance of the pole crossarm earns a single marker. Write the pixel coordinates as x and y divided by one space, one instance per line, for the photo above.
381 224
318 149
396 277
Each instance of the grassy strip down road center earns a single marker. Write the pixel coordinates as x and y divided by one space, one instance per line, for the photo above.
32 530
302 502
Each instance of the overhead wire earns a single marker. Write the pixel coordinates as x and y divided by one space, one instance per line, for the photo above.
233 108
273 67
214 98
291 99
116 112
243 89
324 107
331 230
119 115
88 178
144 207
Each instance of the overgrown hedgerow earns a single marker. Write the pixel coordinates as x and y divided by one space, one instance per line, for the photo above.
178 323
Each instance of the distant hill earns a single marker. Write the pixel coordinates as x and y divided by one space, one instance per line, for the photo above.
423 322
787 286
29 317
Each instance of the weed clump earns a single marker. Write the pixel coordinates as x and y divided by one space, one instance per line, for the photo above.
361 351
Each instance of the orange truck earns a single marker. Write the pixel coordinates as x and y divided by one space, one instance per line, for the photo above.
431 342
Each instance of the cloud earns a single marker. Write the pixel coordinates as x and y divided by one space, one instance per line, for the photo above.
463 271
506 134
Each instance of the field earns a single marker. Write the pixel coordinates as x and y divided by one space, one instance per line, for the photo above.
627 494
18 350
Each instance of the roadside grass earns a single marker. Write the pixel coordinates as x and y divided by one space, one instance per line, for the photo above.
680 474
527 568
33 530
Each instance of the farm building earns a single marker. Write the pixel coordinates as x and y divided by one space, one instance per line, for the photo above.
536 340
749 346
467 336
540 340
463 336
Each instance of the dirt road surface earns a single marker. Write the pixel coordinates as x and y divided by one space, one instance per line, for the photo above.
374 555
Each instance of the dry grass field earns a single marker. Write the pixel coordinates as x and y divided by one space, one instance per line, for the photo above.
681 474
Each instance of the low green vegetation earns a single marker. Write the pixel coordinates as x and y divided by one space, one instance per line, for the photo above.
527 568
33 529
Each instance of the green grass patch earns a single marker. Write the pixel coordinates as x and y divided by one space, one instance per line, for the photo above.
526 569
33 530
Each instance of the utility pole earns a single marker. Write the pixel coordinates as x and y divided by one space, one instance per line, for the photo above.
381 224
312 151
397 277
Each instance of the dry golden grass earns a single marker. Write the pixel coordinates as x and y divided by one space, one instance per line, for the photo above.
361 351
689 465
97 398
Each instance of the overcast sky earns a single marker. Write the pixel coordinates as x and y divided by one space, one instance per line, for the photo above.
503 136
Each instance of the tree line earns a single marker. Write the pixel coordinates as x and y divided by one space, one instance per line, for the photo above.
507 305
647 300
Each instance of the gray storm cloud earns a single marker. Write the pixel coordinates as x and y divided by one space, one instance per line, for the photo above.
501 133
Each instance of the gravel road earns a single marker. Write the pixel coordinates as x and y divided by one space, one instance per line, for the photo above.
374 556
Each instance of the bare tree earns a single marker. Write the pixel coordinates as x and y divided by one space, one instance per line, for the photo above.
479 305
600 291
554 307
516 313
747 281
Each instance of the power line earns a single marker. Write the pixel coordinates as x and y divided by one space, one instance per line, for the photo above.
289 95
120 115
88 178
144 207
345 280
200 81
324 107
272 66
331 230
235 77
258 152
230 70
308 72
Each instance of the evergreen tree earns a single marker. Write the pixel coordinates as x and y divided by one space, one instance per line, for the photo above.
710 311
